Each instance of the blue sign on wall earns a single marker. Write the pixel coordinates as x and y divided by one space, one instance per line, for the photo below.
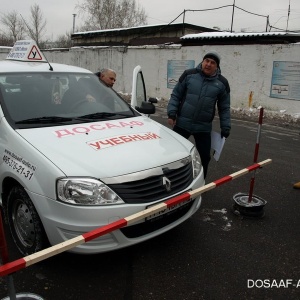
175 70
285 80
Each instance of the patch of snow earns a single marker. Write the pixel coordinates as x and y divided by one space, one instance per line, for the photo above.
223 211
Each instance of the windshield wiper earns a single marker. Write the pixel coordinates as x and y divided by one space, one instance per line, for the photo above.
103 115
44 120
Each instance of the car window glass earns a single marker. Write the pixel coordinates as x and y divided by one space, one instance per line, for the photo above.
37 95
140 90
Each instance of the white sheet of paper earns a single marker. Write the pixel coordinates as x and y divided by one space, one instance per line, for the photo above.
217 143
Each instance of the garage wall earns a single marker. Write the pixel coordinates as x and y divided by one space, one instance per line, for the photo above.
248 68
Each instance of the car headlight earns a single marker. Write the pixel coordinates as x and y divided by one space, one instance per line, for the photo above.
86 191
196 160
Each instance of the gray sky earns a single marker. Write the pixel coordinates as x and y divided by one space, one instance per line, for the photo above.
59 13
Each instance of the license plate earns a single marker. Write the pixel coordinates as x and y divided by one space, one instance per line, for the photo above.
167 210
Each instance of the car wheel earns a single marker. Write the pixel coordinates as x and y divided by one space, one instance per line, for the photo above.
25 225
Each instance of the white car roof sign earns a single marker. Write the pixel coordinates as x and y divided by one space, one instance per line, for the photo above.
26 50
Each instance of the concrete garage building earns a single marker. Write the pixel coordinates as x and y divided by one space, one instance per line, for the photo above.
137 36
240 38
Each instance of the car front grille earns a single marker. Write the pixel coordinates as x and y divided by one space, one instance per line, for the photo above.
151 188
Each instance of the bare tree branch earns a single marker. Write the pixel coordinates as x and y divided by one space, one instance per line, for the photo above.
108 14
37 24
14 25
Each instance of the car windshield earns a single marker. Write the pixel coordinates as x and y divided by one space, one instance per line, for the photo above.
49 99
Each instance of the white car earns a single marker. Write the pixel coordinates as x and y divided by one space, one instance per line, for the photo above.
76 156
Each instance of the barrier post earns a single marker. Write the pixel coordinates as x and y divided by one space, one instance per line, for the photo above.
5 260
251 205
261 113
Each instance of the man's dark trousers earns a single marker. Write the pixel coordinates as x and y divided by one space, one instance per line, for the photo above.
203 144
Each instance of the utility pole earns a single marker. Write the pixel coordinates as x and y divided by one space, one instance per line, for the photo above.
287 22
183 29
232 15
267 24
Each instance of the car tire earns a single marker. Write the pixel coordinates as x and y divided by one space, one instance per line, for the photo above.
24 222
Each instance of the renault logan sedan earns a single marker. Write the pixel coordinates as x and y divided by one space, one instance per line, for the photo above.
76 157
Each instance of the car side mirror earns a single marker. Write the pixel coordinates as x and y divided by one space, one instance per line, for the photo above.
152 100
146 108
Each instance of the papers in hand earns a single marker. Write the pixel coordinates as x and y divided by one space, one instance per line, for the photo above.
217 143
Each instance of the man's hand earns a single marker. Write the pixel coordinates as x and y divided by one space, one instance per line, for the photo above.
171 122
225 133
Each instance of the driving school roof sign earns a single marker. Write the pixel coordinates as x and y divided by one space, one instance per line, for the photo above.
26 50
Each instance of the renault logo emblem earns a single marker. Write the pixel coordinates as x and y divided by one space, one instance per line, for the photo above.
166 183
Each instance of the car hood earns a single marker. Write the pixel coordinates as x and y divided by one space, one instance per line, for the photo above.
108 148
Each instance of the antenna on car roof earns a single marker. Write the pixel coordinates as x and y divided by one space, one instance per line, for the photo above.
51 68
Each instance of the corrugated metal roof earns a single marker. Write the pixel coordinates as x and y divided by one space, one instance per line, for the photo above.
143 27
217 35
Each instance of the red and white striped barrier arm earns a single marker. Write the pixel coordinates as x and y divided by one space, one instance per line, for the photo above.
29 260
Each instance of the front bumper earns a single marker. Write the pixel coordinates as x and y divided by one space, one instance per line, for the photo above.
63 222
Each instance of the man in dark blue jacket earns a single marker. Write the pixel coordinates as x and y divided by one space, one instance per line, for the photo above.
193 102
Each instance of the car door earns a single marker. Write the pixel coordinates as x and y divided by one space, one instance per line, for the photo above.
138 96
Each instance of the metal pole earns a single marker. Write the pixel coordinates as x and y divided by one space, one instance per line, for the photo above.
183 19
287 22
267 24
232 15
74 16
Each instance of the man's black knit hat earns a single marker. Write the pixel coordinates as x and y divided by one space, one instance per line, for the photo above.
213 55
